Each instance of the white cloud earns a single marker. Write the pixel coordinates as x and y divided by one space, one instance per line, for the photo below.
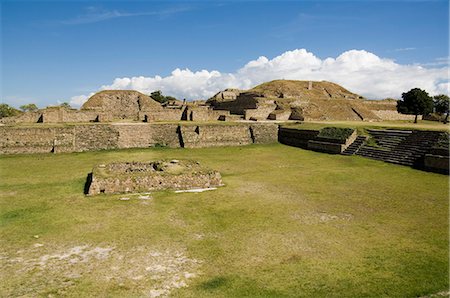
359 71
78 100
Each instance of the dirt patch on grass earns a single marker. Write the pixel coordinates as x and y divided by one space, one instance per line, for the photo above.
322 217
139 271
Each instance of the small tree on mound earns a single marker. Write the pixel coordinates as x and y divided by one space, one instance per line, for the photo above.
159 97
31 107
65 105
8 111
441 105
415 102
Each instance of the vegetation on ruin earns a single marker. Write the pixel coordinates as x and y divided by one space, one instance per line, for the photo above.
337 133
8 111
288 223
31 107
159 97
65 105
443 141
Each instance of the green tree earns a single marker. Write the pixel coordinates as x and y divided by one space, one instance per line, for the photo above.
415 102
441 105
31 107
159 97
8 111
65 105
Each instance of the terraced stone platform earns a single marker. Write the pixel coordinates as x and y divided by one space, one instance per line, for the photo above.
129 177
399 147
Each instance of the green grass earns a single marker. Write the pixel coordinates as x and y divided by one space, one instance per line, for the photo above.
287 223
362 126
337 133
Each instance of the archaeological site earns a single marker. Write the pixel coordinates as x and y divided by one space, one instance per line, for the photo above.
134 177
268 113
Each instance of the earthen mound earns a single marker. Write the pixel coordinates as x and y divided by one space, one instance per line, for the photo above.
303 89
303 100
121 104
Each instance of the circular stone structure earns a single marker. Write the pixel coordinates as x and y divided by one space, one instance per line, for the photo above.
129 177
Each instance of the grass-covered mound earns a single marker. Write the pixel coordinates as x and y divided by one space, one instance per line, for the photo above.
335 133
288 223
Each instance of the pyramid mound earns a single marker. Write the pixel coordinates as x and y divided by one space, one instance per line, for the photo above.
297 100
121 104
303 89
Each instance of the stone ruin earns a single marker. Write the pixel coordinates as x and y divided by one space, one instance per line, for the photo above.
284 100
279 100
123 106
134 177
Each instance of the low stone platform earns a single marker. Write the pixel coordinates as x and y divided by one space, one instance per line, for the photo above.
131 177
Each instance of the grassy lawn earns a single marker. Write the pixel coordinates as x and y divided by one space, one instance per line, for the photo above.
362 125
287 223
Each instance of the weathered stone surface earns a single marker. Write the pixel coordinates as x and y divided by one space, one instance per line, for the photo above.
99 136
437 163
326 147
150 176
196 136
121 104
317 101
282 115
296 137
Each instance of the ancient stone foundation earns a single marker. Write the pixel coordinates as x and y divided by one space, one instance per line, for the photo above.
79 138
132 177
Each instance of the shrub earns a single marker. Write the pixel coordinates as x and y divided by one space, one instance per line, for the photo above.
443 141
336 133
8 111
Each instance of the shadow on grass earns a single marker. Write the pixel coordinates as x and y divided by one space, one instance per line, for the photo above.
88 183
239 287
214 283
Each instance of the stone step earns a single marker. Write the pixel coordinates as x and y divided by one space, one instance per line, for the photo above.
355 146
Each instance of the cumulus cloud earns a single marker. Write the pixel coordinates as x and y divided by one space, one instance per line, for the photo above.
359 71
78 100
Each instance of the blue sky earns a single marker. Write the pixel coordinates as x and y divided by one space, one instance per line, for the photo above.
56 50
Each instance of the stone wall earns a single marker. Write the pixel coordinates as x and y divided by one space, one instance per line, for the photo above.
281 115
436 163
326 147
215 135
94 137
28 117
264 133
161 115
54 115
78 138
35 140
386 109
74 116
393 115
151 176
142 135
205 114
296 137
260 113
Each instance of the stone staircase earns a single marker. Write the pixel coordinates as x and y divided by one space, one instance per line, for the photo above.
355 146
399 147
413 149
